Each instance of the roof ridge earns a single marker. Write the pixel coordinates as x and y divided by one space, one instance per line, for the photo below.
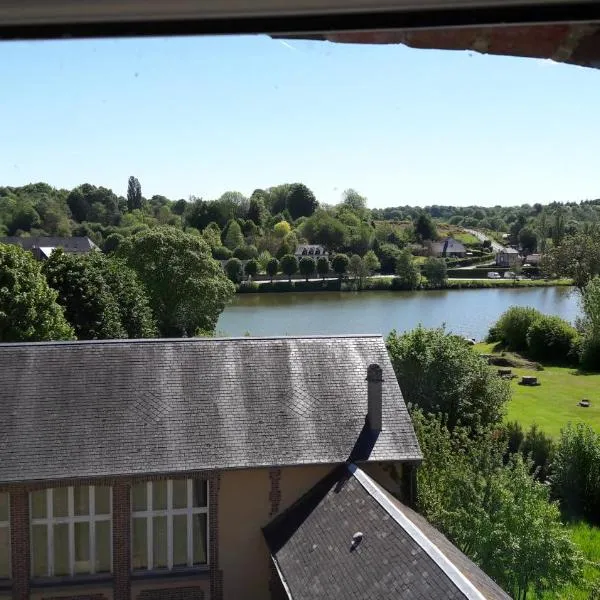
414 531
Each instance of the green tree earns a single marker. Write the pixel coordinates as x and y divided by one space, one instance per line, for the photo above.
550 338
263 260
112 242
407 271
357 269
233 235
134 194
307 266
512 326
388 255
251 268
425 228
272 268
355 201
90 306
289 265
187 288
441 374
29 311
436 271
257 212
578 257
323 266
234 269
282 228
301 202
212 235
340 264
528 239
558 227
589 325
323 228
371 262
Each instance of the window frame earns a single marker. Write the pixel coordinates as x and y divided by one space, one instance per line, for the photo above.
169 512
49 521
6 525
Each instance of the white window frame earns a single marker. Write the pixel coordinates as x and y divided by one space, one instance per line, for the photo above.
50 521
6 525
170 512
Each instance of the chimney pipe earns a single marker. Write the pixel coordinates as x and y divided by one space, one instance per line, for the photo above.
374 392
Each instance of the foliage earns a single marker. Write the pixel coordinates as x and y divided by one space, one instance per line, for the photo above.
323 228
425 228
436 271
441 374
371 262
263 260
245 252
340 264
134 194
187 288
251 268
497 514
289 265
257 211
358 269
589 325
221 253
112 242
282 228
539 448
550 338
233 268
388 255
323 266
528 240
301 202
29 311
212 235
512 327
354 200
233 237
407 270
307 266
576 472
272 268
578 257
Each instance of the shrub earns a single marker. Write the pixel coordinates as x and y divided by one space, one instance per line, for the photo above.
512 326
251 268
222 253
550 338
245 252
272 268
514 437
539 448
340 264
233 268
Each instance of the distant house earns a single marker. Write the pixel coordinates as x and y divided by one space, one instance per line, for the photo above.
507 257
42 247
448 247
215 469
313 250
533 259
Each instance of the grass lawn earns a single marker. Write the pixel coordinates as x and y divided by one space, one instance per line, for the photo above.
553 403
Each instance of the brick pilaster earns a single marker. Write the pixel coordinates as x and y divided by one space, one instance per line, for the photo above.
216 575
19 543
121 540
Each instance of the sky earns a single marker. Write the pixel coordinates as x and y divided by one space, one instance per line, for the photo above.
200 116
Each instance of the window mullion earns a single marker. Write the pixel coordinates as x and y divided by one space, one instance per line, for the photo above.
149 539
92 526
189 522
71 528
169 524
50 530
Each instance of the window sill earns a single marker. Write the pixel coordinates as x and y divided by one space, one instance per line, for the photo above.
68 581
183 573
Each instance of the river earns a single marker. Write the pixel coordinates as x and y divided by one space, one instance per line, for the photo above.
466 312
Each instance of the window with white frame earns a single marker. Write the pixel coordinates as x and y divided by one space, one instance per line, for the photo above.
71 531
4 535
169 524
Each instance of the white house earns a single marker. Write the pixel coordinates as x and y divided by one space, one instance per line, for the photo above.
313 250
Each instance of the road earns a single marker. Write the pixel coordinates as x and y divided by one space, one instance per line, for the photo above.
496 247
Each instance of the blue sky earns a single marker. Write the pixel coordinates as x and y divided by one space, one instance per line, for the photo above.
204 115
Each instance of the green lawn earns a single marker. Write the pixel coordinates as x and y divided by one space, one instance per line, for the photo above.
553 404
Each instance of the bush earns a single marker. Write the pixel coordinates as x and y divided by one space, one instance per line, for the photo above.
512 326
233 268
550 338
251 268
539 448
514 437
222 253
245 252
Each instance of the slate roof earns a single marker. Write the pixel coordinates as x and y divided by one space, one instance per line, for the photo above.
400 554
508 251
76 409
68 244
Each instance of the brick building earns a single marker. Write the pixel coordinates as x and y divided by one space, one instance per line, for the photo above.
197 470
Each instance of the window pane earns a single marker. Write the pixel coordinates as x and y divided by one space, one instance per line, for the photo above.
39 550
102 500
160 541
61 549
139 544
179 493
159 495
199 526
38 504
82 548
179 540
81 500
199 492
4 512
4 553
103 547
61 505
138 497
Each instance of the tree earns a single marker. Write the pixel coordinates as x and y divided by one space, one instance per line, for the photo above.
233 235
441 374
436 271
323 266
371 262
301 202
558 227
233 268
282 228
407 271
340 264
578 257
512 326
289 265
212 235
355 201
528 240
272 268
112 242
425 228
307 266
187 288
589 325
388 255
257 212
358 269
263 260
29 311
251 268
134 194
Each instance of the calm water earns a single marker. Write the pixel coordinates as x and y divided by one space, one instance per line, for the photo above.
467 312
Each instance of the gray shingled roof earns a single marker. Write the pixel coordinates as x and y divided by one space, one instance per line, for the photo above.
400 554
157 406
68 244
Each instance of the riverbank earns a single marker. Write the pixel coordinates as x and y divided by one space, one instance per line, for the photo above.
388 283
